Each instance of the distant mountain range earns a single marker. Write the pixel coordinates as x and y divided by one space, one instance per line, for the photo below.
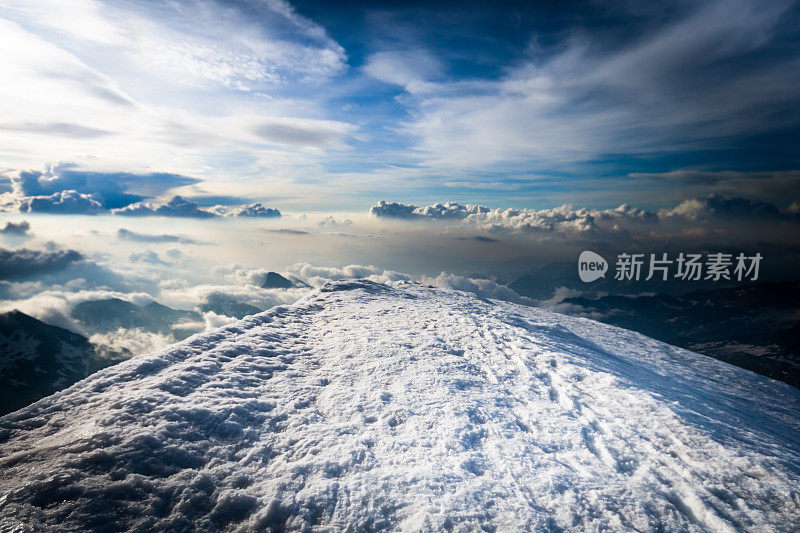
37 359
230 308
104 316
755 327
541 284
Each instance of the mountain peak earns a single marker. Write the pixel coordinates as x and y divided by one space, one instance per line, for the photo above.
367 406
38 359
273 280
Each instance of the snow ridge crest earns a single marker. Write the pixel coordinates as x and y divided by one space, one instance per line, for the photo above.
367 406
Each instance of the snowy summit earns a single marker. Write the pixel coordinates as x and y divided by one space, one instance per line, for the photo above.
367 406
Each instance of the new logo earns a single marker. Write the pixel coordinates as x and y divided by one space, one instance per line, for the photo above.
591 266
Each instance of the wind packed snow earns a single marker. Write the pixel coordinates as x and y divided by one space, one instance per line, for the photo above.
367 406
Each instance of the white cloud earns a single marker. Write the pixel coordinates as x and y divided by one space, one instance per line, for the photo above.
189 296
176 207
65 202
213 320
414 70
195 42
484 288
254 210
197 86
80 19
564 219
136 341
54 306
317 276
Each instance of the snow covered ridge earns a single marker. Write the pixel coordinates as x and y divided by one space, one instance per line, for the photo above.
366 406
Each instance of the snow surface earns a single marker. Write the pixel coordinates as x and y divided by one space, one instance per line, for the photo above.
367 406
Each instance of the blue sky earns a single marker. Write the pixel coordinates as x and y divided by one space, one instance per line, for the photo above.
323 106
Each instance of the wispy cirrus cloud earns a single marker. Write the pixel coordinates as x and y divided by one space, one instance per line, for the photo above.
696 82
241 45
190 83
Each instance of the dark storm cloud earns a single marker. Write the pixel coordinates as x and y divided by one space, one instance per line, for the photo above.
782 187
16 228
23 263
717 205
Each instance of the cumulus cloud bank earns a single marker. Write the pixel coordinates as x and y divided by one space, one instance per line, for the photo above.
62 202
65 190
176 207
447 210
568 220
256 210
186 208
563 219
110 189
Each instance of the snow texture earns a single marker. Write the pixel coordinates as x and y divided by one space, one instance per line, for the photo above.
367 406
